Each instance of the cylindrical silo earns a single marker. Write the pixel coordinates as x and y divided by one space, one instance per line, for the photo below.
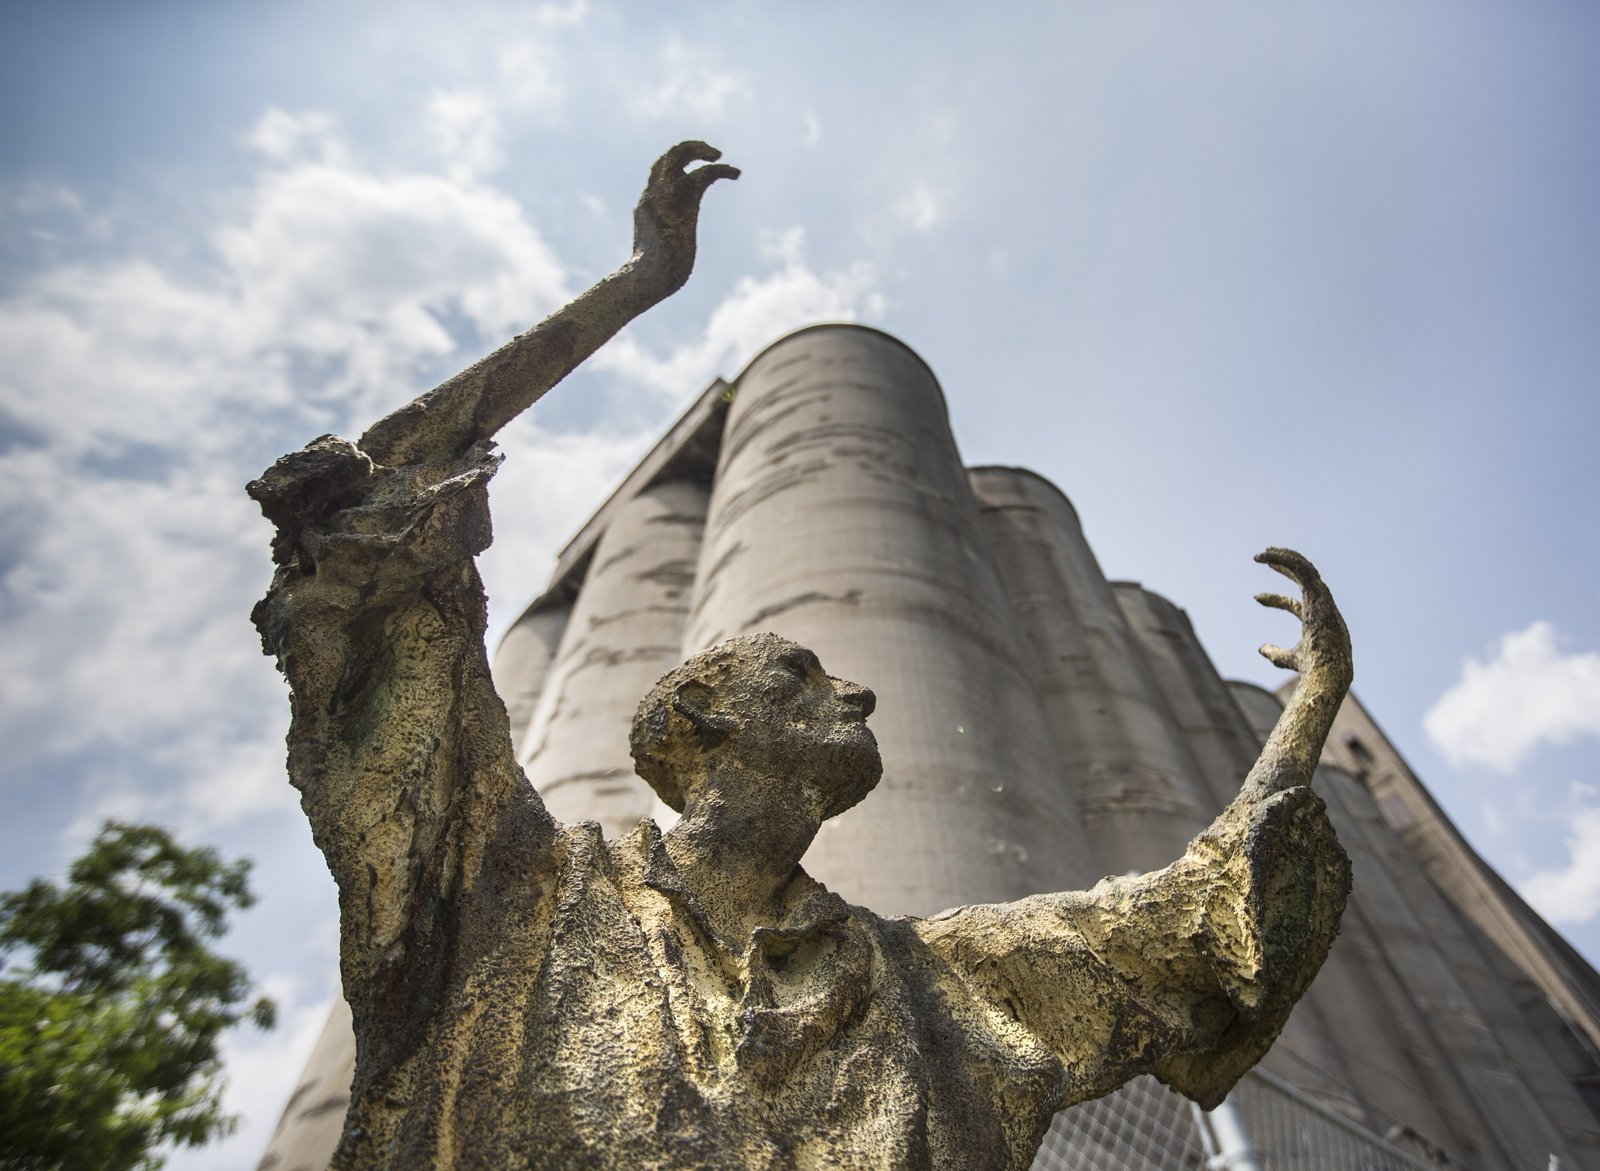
1137 790
842 519
1221 742
522 664
623 635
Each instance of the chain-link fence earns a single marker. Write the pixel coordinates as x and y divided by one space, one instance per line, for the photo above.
1292 1132
1142 1127
1146 1127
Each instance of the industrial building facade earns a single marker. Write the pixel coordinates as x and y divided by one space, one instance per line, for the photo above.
1040 727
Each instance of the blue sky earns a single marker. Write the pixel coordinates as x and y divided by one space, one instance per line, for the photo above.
1232 275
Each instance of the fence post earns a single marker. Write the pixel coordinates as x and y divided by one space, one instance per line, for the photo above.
1227 1141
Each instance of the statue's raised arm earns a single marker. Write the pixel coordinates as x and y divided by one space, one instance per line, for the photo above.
483 398
398 744
1188 972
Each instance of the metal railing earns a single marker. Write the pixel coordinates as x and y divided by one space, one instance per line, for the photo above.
1146 1127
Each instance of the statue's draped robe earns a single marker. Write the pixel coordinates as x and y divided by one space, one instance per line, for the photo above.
529 995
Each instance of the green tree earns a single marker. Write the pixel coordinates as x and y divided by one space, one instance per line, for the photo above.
112 1004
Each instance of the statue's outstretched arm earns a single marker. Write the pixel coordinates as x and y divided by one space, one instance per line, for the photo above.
476 403
1187 972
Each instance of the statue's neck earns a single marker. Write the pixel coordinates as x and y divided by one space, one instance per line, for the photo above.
739 856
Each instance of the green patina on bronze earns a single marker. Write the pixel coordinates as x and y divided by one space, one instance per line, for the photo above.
529 995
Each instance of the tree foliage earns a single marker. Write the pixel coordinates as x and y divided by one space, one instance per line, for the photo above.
112 1004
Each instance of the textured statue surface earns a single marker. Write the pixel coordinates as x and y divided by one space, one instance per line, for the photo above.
527 994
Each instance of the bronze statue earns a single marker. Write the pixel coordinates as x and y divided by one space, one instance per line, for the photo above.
526 994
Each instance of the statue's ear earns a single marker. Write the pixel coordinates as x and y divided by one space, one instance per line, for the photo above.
696 702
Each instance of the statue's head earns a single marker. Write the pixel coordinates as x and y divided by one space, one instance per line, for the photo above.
758 706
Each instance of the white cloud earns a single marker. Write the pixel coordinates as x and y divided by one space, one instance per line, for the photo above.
1529 693
530 76
813 130
688 88
758 310
129 596
281 135
35 197
1570 894
552 15
919 208
464 126
45 212
331 286
339 261
143 397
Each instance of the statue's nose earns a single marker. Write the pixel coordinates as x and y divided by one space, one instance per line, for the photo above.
857 696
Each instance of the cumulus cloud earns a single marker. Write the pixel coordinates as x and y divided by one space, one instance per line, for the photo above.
283 135
530 76
812 133
1527 694
920 209
758 310
360 270
466 129
126 596
552 15
1570 894
688 87
137 398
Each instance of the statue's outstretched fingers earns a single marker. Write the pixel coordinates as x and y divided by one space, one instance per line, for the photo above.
1278 657
1280 602
704 177
678 157
1290 564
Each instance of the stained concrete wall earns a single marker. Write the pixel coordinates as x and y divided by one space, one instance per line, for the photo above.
1137 791
522 664
1522 1098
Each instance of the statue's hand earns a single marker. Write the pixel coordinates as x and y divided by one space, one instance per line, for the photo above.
1323 652
668 211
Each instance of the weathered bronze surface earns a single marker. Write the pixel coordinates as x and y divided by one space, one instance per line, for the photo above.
526 994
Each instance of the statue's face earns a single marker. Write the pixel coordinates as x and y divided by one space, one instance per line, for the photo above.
811 728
